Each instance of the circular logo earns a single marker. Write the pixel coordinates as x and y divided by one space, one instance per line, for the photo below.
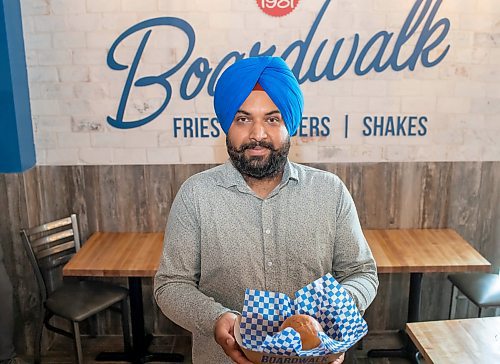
277 7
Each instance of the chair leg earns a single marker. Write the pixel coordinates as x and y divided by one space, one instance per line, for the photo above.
37 349
127 345
479 311
78 342
360 344
453 302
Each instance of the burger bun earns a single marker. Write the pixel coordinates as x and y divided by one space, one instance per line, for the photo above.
307 327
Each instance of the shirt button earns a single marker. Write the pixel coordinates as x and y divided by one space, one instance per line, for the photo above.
268 231
270 264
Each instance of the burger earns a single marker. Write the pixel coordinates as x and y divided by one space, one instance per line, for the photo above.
307 327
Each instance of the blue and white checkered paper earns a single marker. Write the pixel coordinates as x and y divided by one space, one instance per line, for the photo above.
324 299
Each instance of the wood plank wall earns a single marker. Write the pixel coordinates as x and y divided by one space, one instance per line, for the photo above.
461 195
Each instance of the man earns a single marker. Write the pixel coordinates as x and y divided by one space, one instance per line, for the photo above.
258 221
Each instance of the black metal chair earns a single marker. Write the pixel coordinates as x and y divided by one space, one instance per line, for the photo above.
49 247
482 289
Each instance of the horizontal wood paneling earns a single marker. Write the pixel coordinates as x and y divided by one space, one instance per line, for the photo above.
460 195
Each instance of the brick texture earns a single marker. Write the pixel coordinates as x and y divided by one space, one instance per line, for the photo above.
73 90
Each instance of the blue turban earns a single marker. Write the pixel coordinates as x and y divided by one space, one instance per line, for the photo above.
273 75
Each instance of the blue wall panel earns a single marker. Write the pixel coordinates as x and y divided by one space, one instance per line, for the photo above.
17 149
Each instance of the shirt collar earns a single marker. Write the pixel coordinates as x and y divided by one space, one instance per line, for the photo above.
230 176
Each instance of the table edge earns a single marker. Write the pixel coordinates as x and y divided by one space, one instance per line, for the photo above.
418 344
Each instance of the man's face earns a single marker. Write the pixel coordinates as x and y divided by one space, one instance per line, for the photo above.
258 141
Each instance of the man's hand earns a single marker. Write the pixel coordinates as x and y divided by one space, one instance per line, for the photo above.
223 333
340 360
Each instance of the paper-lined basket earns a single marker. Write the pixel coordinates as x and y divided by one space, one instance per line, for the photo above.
257 330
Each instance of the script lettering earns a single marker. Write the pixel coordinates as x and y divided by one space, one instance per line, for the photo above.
201 75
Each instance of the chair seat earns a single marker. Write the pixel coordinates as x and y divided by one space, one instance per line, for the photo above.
78 301
481 288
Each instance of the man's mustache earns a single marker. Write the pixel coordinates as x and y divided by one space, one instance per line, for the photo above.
252 145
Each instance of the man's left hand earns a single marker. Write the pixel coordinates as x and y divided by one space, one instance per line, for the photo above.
340 359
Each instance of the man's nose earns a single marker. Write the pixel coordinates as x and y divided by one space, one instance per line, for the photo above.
258 131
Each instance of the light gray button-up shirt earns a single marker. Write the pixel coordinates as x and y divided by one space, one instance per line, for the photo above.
221 238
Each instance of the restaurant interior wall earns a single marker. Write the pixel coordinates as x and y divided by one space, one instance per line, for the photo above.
125 179
460 195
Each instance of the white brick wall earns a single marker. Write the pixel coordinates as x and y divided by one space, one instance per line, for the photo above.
78 73
96 156
68 140
54 57
38 41
163 155
42 74
67 7
73 90
52 124
99 6
50 90
123 139
139 6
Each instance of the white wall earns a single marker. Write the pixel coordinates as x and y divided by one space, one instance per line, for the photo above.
73 89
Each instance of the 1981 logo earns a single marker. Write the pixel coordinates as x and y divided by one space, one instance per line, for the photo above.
277 7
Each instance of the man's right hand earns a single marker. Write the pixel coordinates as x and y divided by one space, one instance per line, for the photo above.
223 333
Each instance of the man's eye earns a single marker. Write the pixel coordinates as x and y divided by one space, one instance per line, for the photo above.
242 119
273 120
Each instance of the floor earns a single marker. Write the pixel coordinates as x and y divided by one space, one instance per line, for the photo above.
61 351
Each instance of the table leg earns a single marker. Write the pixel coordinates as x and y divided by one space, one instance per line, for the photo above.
140 341
414 297
409 350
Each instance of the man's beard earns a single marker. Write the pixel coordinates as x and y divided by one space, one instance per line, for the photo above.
259 167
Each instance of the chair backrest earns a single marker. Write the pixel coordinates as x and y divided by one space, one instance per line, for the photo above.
49 247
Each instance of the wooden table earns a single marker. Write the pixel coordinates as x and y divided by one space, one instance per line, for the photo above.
418 251
131 255
466 341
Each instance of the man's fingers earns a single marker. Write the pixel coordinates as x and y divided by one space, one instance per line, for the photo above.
223 333
240 358
236 354
223 328
233 350
340 360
